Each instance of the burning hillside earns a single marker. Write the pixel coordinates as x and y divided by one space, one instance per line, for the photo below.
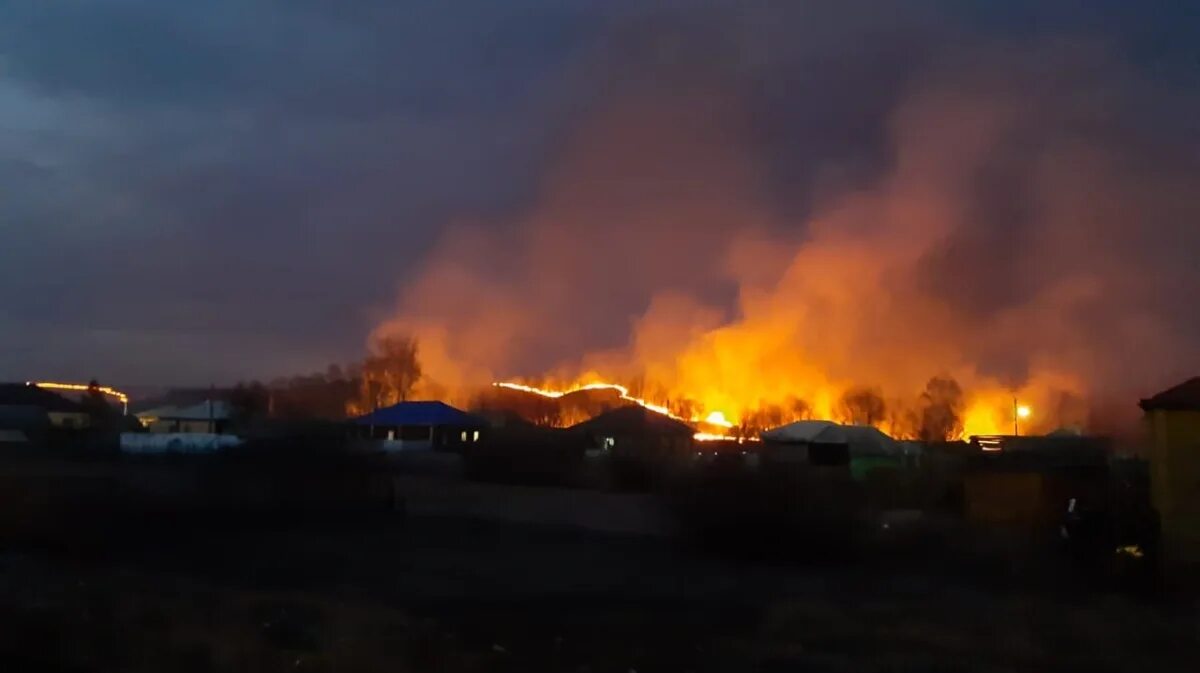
988 246
562 408
939 413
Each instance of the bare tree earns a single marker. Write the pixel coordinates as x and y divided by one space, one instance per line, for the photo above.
863 406
773 416
389 375
249 402
96 406
941 410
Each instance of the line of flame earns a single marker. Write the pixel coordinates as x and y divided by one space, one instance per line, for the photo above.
620 389
624 394
79 387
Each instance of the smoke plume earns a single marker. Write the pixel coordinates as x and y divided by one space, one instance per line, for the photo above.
755 215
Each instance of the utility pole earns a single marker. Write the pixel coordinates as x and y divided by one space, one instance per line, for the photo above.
1016 416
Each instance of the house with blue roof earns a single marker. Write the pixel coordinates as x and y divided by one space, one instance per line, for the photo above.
422 426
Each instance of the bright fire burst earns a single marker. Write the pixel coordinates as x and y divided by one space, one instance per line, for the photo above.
718 418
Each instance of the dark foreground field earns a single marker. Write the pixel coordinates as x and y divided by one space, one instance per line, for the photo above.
375 593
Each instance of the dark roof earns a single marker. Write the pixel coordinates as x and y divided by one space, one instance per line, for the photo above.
633 420
20 394
422 413
1183 397
1038 451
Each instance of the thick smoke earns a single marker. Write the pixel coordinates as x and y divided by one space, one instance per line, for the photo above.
744 224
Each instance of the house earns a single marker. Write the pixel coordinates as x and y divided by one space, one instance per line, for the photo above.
423 425
25 401
517 451
861 448
207 417
1171 423
839 467
638 448
634 431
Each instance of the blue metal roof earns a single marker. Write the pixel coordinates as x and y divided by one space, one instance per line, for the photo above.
421 413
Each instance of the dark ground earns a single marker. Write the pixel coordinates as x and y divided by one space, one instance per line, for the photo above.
376 593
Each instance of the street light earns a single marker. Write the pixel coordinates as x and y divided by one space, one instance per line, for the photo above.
1019 411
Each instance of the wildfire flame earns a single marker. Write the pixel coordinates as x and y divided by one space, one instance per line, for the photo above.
986 412
80 387
859 311
715 418
622 390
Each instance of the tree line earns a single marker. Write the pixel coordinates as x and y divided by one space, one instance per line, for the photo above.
384 377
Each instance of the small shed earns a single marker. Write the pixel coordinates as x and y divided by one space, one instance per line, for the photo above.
827 444
422 425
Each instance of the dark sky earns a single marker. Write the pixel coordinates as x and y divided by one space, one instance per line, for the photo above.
195 192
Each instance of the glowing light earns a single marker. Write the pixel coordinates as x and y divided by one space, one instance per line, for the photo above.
718 418
990 444
1023 411
80 387
1131 550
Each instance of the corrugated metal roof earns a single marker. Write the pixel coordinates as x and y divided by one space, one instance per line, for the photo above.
862 440
800 431
422 413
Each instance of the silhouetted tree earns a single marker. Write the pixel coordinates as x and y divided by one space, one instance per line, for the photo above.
863 406
249 402
941 410
389 375
772 416
101 414
324 396
904 423
94 403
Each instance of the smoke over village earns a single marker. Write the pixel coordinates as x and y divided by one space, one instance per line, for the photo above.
599 336
1012 230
